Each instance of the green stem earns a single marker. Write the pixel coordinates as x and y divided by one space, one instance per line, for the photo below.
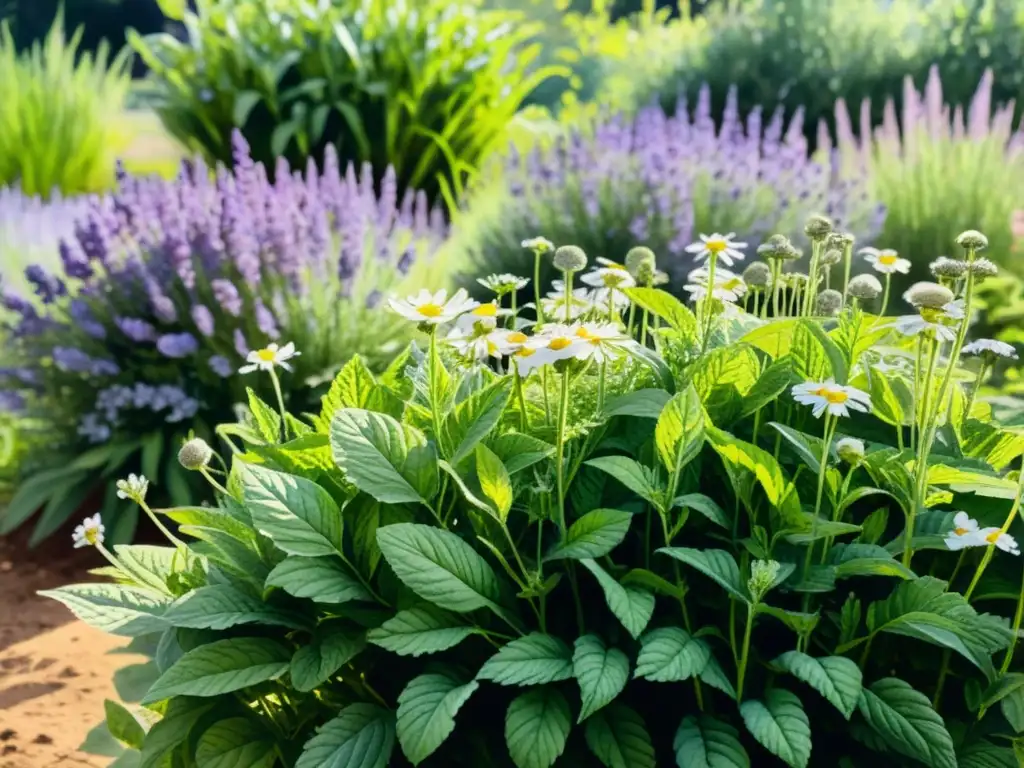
974 393
280 403
847 263
435 408
708 303
1017 617
921 465
568 296
812 279
776 281
741 672
540 573
524 420
830 428
213 481
536 286
643 328
162 528
885 295
947 655
563 414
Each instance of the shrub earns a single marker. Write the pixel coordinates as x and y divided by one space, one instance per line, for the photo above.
655 180
485 567
165 290
424 87
56 108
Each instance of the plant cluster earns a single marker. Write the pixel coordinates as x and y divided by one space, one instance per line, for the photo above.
635 535
423 87
164 292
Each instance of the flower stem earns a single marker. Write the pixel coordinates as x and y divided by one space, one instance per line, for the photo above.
435 408
847 263
885 296
707 303
563 414
990 550
568 295
972 396
741 672
830 428
109 556
1017 618
280 403
536 287
524 420
921 465
163 529
213 481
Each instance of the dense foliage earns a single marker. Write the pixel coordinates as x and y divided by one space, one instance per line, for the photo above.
56 103
502 548
423 87
165 290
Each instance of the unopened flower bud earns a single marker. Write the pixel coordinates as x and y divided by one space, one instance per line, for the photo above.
133 488
818 227
948 268
829 303
763 574
538 245
797 279
195 454
850 450
839 240
757 274
928 295
638 257
774 247
831 258
982 268
972 240
646 274
570 258
864 287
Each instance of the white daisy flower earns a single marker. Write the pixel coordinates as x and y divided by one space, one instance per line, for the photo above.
604 341
89 533
562 342
964 534
581 302
530 356
829 396
433 308
508 341
538 245
133 488
886 260
729 287
271 355
615 278
723 246
954 310
503 283
478 346
913 325
998 538
990 348
483 315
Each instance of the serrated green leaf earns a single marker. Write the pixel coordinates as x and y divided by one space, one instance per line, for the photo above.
704 742
666 306
642 403
619 739
715 676
780 725
418 631
321 579
985 754
716 564
221 606
670 654
268 420
601 673
114 608
123 725
474 418
331 648
494 480
631 474
1006 685
594 535
517 452
426 713
361 736
704 505
1012 707
836 678
297 514
220 667
235 742
632 606
535 659
679 433
537 726
352 388
905 720
173 729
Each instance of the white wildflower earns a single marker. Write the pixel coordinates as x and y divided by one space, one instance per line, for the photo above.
837 399
270 356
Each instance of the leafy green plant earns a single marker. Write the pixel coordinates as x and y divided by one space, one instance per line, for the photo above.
424 87
56 103
572 547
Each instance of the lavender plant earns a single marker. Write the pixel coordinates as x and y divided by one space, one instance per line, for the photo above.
628 533
165 291
655 180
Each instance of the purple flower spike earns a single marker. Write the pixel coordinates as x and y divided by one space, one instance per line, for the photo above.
203 318
136 329
177 345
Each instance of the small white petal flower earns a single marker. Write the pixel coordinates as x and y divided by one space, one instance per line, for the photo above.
529 357
133 488
837 399
581 302
998 538
89 533
990 348
964 533
562 342
603 341
272 355
538 245
504 283
484 316
954 310
724 246
729 287
914 325
433 308
885 261
616 277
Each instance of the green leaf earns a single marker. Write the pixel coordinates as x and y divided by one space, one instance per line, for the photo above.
361 736
679 433
618 738
704 742
776 378
353 387
268 420
601 673
670 654
220 667
474 418
836 678
808 448
715 676
297 514
113 608
666 306
440 567
801 623
780 725
365 515
426 713
631 605
332 647
717 564
175 11
33 493
642 403
517 452
594 535
705 506
891 399
321 579
165 735
235 742
904 718
494 480
123 725
537 726
390 461
1007 684
985 754
221 606
532 660
418 631
631 474
762 465
1012 707
722 377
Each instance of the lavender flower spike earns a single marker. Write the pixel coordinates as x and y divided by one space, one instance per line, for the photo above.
177 345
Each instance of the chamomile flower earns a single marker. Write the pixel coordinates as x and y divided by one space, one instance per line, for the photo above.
954 310
990 349
885 261
475 344
580 302
915 325
603 341
269 357
538 245
998 538
837 399
504 283
728 286
965 533
508 341
89 533
562 342
615 277
484 316
433 308
134 488
723 246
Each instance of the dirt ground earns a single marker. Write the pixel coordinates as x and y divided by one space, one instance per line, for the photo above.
55 672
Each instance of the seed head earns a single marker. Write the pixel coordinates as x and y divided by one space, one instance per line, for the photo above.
928 295
639 257
538 245
948 268
831 258
839 240
864 287
972 240
774 247
850 450
570 258
818 227
763 574
797 278
829 303
757 274
982 268
195 454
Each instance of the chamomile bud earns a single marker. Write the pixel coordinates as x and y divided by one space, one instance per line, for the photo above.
829 303
831 257
774 247
928 295
837 241
982 268
972 240
945 267
134 487
538 245
195 454
757 274
646 274
850 450
570 258
797 279
763 574
639 257
818 227
864 287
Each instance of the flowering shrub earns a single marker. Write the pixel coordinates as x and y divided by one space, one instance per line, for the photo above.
165 291
507 544
656 180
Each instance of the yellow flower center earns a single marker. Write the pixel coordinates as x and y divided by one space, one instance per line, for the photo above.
716 246
92 535
486 310
833 396
613 265
266 355
430 310
612 279
961 531
888 259
993 537
560 343
733 284
517 338
525 352
931 314
583 333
